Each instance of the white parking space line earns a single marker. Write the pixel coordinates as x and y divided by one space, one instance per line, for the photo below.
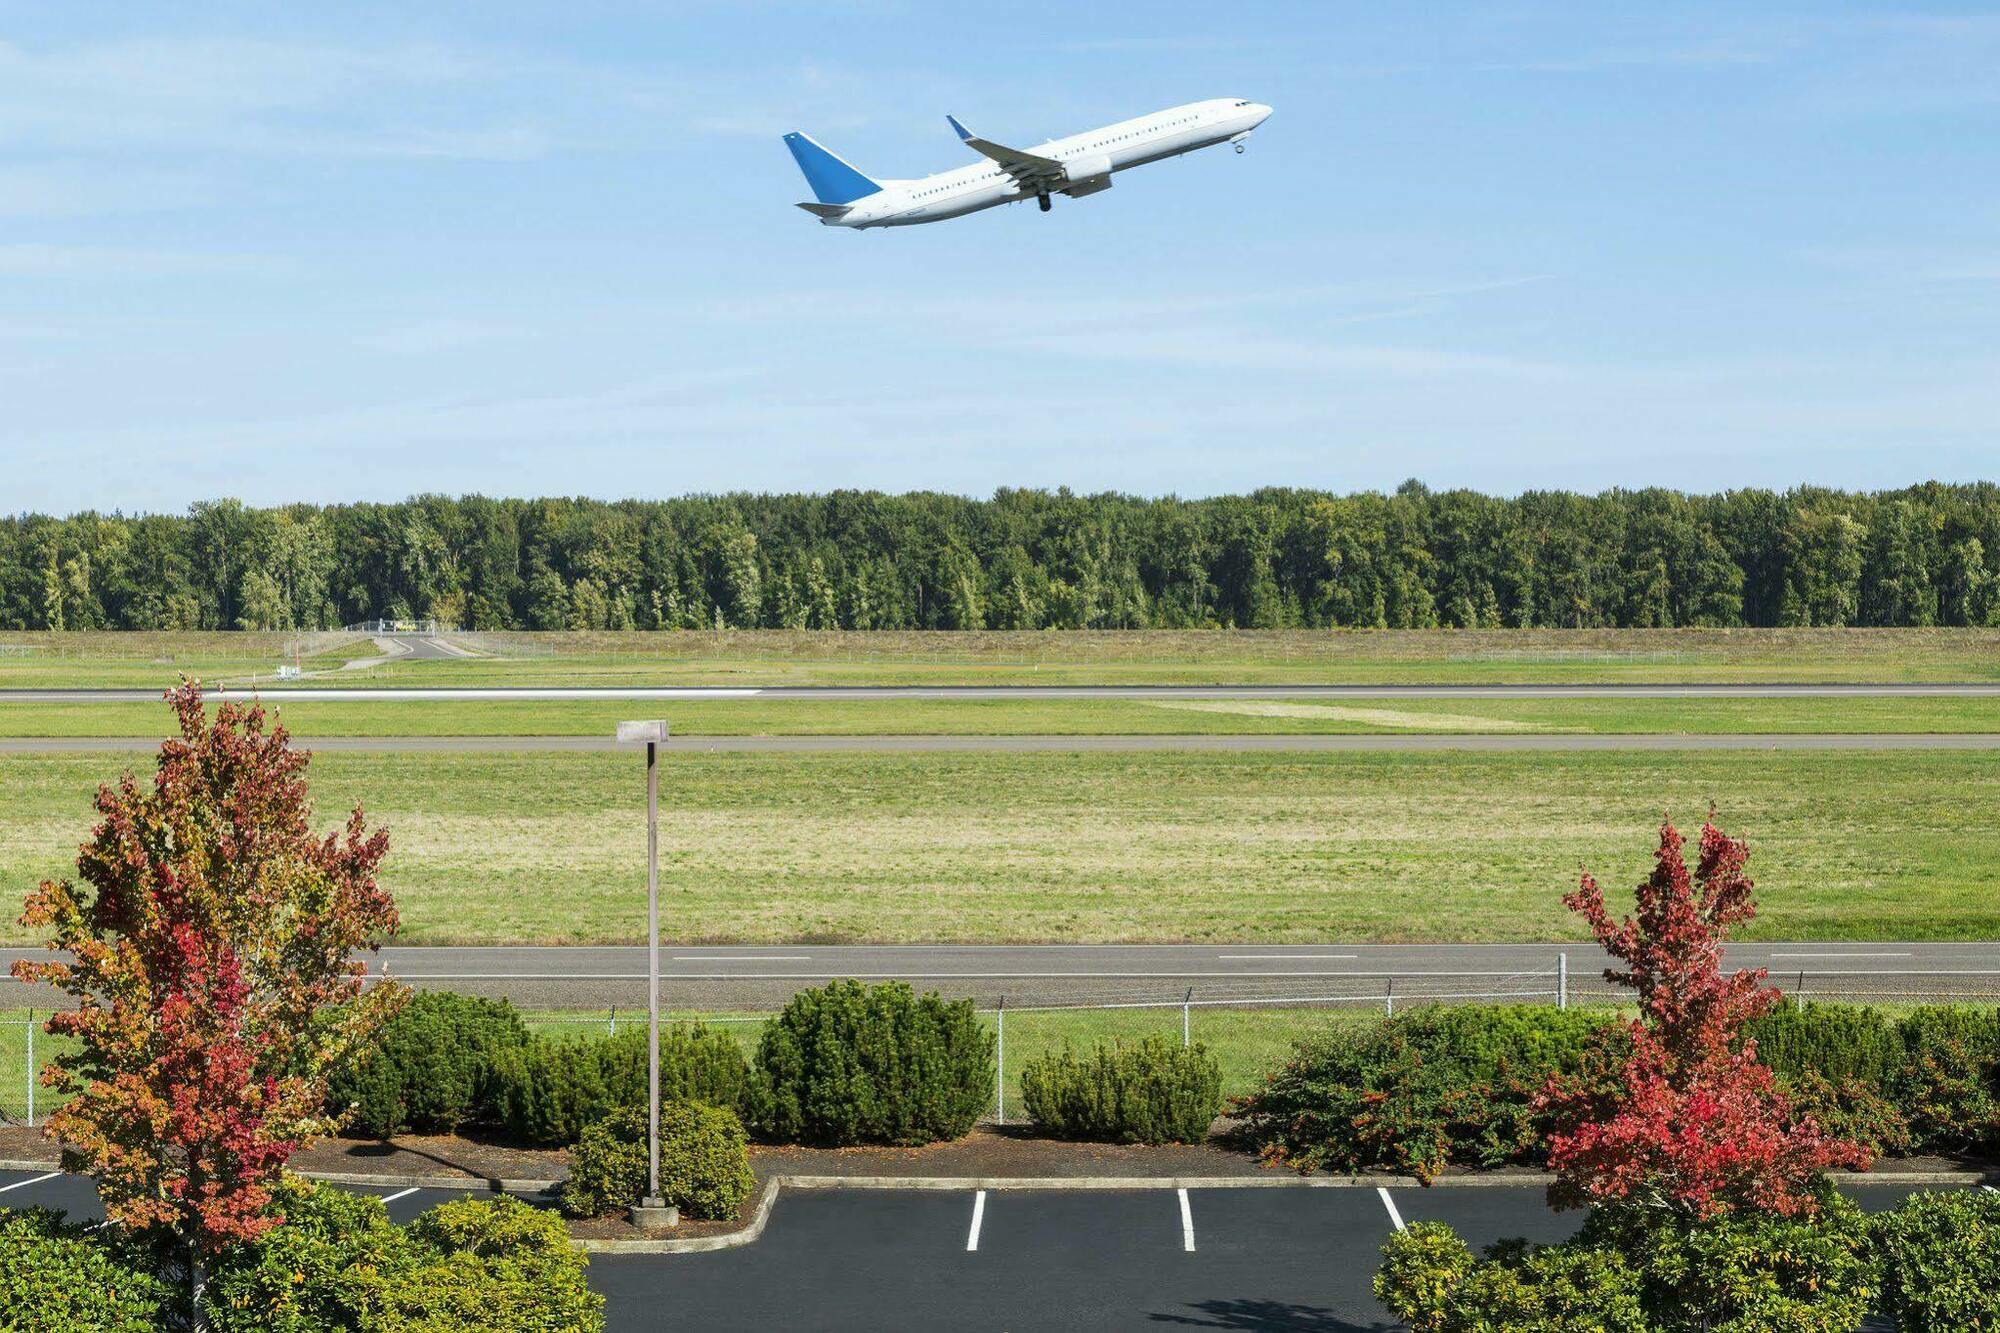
1187 1224
1989 1189
401 1194
978 1216
1390 1204
23 1184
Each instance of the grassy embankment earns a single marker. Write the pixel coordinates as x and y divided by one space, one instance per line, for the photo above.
779 657
510 848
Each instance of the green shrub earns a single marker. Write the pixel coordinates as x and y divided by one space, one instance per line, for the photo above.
1431 1281
704 1162
55 1276
1632 1270
1946 1083
1153 1092
337 1262
1839 1042
848 1063
1852 1109
431 1068
1940 1256
1746 1272
551 1090
1436 1086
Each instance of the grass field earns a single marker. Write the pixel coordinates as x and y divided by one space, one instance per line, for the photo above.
494 848
777 657
1060 717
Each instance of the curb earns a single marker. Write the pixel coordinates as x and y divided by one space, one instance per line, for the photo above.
761 1215
380 1180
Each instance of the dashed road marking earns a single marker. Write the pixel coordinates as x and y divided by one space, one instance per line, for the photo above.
978 1216
1187 1224
1390 1204
23 1184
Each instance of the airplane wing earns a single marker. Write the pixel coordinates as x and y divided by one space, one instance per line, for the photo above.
1037 173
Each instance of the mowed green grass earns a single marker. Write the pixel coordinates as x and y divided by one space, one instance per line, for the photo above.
1055 717
548 848
781 657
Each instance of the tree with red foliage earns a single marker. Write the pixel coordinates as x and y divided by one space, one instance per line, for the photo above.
1690 1120
210 956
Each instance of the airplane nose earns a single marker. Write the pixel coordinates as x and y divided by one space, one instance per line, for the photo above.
1262 112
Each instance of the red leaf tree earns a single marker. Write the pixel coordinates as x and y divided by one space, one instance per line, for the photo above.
210 951
1691 1121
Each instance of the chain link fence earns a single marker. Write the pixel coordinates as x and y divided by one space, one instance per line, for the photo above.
1249 1023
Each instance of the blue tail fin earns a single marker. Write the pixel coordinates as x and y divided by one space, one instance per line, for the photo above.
832 180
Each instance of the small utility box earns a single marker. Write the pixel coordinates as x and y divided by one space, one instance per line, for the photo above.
290 672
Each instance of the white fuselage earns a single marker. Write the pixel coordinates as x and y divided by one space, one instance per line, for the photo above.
1090 158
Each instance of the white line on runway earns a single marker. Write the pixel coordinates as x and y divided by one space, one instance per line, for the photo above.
401 1194
1839 955
1390 1204
743 958
978 1216
23 1184
1291 957
1187 1224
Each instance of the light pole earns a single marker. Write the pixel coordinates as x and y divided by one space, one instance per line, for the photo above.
651 1213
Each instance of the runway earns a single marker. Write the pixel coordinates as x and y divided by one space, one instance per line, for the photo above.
637 693
762 977
1270 742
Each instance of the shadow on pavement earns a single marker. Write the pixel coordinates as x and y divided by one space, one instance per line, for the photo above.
1269 1317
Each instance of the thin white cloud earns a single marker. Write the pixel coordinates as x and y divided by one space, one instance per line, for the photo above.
436 335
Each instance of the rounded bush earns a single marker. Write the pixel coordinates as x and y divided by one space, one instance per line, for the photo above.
704 1162
1431 1281
1153 1092
1427 1089
337 1262
1940 1256
55 1276
847 1063
431 1068
553 1089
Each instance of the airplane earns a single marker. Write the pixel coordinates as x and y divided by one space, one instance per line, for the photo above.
1077 166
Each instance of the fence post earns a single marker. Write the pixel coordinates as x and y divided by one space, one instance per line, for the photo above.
1562 981
1389 998
31 1069
614 1020
1187 1003
1799 995
1000 1084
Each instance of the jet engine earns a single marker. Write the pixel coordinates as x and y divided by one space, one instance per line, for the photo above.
1087 175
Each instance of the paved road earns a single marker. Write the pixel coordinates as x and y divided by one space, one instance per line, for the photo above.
529 694
762 977
1346 743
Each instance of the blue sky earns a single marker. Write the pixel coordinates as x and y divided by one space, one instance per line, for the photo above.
358 251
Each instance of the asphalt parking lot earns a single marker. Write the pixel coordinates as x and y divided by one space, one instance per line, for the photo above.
1289 1259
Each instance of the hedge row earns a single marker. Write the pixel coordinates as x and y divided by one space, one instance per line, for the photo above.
845 1063
1455 1086
337 1262
1931 1265
1152 1092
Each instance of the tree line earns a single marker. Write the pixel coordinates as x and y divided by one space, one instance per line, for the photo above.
1026 559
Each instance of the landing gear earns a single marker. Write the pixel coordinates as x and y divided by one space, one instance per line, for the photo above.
1240 145
1044 200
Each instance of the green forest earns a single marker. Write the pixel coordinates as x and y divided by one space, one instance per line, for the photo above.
1026 559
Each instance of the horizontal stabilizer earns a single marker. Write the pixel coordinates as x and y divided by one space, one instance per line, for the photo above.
828 212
